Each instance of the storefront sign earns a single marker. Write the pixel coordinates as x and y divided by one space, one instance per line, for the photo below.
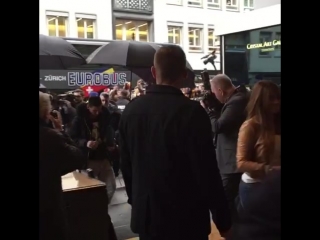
268 45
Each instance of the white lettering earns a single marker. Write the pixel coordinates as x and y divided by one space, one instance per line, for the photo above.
55 78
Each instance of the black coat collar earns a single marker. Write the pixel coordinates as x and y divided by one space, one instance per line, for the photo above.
163 89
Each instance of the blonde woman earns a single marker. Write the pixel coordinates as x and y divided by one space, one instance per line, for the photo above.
58 156
258 150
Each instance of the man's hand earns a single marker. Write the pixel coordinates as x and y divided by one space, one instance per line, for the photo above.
92 144
56 122
202 104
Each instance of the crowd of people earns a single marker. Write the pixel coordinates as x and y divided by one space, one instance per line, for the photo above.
183 163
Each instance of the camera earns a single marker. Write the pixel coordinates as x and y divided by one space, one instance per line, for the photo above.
211 102
206 80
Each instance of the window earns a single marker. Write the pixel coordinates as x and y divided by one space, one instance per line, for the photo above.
213 41
195 38
195 3
216 4
86 27
248 4
232 5
265 37
57 26
174 2
277 48
175 35
132 30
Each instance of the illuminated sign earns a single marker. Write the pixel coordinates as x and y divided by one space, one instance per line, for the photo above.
88 78
265 45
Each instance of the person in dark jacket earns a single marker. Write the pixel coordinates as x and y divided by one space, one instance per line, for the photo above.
123 99
58 156
115 115
225 126
260 219
168 159
92 132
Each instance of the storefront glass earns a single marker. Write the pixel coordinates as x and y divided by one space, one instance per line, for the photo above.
253 55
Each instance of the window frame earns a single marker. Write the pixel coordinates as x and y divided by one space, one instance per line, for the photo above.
195 3
248 6
137 24
181 33
193 27
232 7
212 5
56 15
86 17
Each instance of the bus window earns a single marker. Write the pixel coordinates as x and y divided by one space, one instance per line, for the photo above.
85 49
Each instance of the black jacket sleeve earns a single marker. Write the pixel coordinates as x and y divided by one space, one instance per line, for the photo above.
208 173
75 133
231 118
126 166
64 150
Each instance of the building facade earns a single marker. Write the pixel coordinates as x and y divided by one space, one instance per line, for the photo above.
253 51
188 23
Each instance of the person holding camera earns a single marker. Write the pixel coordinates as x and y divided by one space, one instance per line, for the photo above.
226 125
58 155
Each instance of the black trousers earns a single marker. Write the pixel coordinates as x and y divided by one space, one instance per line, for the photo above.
231 184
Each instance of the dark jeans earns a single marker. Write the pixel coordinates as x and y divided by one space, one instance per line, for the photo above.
231 188
245 189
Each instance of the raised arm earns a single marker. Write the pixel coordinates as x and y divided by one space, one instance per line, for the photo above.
231 118
63 149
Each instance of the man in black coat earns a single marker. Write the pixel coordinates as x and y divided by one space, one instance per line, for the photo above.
225 126
168 160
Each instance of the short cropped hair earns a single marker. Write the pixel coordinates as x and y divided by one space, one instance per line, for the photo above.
124 93
44 104
94 101
222 81
170 61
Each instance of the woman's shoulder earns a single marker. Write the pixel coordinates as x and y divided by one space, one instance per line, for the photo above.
250 124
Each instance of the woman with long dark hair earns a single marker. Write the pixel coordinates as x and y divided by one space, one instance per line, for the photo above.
258 150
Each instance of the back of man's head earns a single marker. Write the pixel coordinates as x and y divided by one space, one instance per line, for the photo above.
169 65
222 81
124 93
